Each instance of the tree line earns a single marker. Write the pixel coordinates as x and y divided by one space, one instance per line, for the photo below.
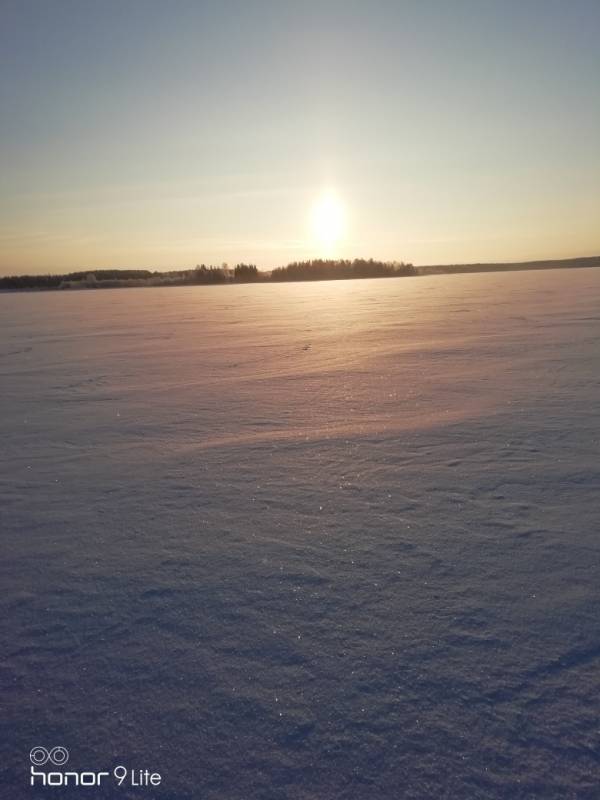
335 269
311 270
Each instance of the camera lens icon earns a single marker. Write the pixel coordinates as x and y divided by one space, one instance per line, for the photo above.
59 756
40 756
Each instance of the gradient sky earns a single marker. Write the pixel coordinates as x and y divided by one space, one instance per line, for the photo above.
164 134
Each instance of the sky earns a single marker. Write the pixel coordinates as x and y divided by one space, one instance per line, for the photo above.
164 134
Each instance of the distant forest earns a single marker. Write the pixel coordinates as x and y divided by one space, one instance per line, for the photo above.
315 270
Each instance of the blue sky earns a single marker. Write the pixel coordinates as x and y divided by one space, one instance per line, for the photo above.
164 134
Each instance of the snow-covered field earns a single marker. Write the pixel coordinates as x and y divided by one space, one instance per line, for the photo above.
305 541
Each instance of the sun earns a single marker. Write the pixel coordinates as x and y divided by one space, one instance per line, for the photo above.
327 222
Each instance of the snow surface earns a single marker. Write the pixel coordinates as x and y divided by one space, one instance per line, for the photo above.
309 541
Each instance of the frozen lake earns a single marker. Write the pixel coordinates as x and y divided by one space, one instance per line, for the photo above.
308 541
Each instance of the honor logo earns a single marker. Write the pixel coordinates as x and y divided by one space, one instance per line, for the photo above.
59 757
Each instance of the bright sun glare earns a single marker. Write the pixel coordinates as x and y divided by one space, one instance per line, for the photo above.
327 222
